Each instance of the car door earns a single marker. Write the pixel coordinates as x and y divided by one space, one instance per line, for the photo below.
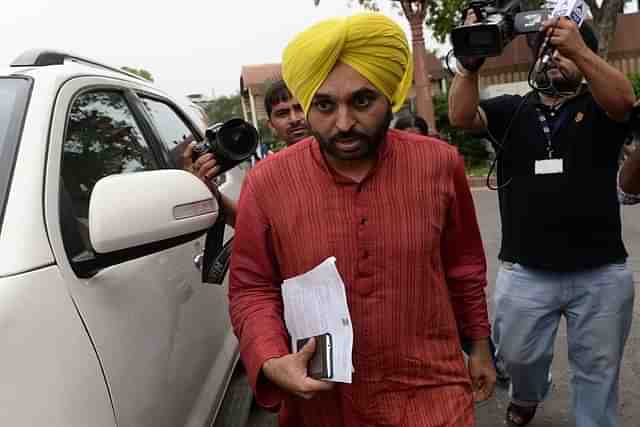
157 330
206 315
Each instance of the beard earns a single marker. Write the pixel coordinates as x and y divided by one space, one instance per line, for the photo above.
369 141
559 80
567 83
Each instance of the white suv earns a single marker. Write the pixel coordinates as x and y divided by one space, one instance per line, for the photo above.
104 319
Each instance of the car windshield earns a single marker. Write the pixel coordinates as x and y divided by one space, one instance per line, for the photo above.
14 96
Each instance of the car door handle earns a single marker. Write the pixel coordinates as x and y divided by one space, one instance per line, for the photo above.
197 261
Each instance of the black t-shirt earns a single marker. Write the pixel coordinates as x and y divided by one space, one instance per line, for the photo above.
565 221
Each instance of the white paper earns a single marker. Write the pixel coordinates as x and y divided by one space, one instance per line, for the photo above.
315 303
575 10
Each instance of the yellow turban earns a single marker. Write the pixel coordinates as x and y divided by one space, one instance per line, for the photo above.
371 43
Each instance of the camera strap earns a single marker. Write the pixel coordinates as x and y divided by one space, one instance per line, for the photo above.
550 129
217 254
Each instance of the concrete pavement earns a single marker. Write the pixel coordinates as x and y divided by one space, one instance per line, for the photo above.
556 411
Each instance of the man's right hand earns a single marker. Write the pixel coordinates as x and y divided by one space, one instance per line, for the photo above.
471 63
290 373
205 167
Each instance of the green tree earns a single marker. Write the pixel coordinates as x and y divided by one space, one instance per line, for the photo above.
223 108
635 81
471 147
139 72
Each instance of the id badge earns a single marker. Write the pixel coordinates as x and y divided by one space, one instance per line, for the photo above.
549 166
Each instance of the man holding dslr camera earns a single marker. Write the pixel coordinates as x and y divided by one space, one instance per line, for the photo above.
562 251
285 119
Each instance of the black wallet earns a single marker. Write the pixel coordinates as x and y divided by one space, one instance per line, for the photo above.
321 364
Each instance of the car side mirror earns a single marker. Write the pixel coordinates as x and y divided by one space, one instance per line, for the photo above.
136 209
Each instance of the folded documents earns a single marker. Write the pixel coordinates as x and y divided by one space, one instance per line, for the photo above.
315 304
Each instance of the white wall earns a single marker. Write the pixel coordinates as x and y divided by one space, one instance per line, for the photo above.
516 88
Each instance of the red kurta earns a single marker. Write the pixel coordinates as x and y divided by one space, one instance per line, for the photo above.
408 248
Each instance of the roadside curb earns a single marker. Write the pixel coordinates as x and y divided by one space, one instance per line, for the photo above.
479 181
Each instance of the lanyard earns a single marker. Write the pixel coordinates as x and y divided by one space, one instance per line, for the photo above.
546 129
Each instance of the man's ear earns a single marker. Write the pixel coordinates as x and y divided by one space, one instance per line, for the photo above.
270 125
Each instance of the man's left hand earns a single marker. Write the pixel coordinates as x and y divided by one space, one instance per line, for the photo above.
482 371
565 36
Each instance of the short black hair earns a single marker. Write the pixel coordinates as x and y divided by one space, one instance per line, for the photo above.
412 121
277 92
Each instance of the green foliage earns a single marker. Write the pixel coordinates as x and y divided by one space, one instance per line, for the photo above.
635 81
224 108
139 72
471 147
443 16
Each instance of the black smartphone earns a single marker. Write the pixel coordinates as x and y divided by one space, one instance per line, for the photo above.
321 364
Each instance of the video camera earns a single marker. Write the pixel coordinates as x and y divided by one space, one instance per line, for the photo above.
231 143
496 26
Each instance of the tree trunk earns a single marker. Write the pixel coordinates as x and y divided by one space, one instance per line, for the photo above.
606 24
422 80
415 11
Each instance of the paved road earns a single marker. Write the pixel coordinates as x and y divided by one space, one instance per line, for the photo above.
555 412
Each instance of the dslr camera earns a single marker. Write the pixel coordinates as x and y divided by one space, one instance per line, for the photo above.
496 26
231 143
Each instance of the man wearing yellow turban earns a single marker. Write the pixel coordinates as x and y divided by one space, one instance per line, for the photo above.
372 44
396 212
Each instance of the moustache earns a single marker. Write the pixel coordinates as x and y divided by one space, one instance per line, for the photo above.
297 125
346 136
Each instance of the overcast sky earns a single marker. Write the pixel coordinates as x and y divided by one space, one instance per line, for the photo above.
190 46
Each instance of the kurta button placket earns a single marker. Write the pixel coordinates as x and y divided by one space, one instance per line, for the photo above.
365 283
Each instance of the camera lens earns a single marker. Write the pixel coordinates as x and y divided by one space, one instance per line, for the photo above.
238 138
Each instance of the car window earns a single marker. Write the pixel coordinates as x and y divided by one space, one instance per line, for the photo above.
8 99
175 133
102 138
14 96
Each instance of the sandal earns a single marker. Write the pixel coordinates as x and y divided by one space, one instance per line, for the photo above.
518 416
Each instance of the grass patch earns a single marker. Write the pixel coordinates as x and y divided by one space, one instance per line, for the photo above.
477 170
